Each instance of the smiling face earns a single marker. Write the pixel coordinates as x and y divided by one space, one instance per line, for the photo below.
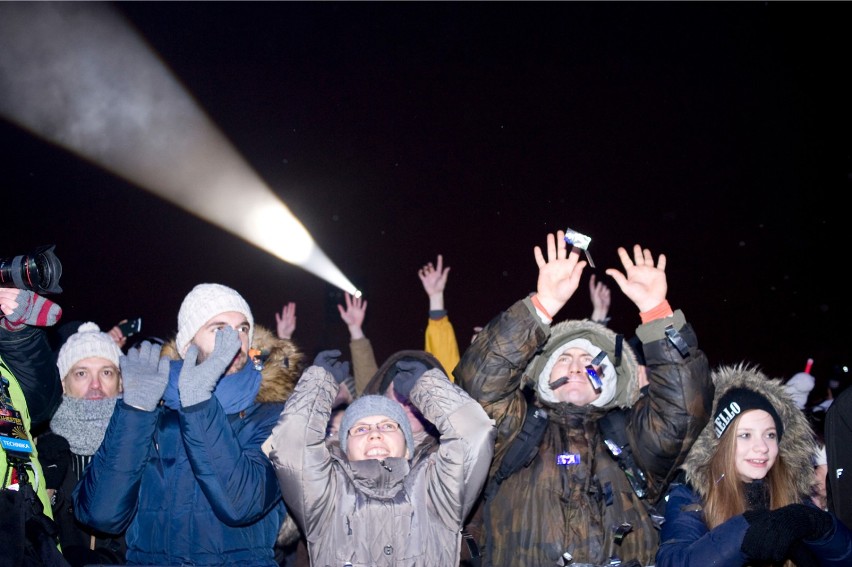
578 389
205 338
757 445
92 378
372 438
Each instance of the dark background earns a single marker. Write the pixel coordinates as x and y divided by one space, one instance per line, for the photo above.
716 133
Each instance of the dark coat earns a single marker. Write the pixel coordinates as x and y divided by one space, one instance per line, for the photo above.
191 485
546 512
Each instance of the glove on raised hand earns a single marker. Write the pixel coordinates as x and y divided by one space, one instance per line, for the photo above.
408 371
196 383
33 310
771 533
328 359
144 376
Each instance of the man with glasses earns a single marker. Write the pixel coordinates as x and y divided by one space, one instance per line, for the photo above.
364 501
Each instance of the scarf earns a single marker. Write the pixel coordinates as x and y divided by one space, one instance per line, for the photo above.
82 422
235 392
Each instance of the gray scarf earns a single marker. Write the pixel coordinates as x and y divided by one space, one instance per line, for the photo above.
82 422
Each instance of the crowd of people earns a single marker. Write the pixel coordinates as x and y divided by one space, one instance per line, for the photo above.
541 442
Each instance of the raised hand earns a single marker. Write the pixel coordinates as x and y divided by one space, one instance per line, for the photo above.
408 372
642 282
21 307
601 299
144 376
285 322
434 277
558 275
197 382
328 359
353 315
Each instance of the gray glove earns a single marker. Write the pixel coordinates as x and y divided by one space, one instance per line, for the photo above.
328 359
408 372
196 383
144 376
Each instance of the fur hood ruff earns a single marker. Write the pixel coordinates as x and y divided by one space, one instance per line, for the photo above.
627 386
797 446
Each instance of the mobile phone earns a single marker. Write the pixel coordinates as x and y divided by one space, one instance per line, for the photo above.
131 327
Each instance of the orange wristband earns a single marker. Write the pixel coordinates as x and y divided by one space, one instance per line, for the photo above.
540 307
659 312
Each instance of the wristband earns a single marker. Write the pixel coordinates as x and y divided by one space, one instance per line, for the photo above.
540 307
661 311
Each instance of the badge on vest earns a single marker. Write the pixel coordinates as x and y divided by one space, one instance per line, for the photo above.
567 459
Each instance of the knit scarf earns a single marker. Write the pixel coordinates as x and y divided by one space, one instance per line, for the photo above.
235 392
82 422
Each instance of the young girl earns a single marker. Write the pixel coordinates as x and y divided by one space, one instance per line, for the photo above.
749 477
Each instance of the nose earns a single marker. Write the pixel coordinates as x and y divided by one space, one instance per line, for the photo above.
95 384
761 446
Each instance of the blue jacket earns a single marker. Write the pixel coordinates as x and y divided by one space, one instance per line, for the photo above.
190 486
685 540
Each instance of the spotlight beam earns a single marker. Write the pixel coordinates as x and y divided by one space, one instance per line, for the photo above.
76 74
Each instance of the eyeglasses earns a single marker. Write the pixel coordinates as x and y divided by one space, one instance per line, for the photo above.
364 428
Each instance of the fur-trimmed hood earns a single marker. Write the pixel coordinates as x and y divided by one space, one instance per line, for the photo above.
626 366
797 446
281 359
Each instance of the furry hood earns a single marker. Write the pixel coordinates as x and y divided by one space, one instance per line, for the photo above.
383 377
797 446
282 364
624 362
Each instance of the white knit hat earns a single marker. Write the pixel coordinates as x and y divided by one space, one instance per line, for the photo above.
204 302
87 342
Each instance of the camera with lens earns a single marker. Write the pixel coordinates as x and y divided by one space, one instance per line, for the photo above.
38 272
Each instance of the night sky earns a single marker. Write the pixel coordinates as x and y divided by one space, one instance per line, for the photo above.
716 133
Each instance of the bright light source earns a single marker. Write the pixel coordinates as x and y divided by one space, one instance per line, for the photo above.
76 74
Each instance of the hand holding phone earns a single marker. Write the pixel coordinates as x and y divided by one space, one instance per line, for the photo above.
131 326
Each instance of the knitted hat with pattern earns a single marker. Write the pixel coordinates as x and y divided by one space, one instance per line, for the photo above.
204 302
87 342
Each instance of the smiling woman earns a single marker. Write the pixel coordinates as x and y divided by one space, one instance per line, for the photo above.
749 481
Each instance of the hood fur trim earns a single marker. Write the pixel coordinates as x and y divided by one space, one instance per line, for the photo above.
627 385
797 446
278 378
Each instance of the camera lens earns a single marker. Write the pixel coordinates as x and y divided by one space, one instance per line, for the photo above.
38 272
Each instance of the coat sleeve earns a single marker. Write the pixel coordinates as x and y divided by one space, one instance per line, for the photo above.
665 423
441 342
299 453
363 364
685 540
28 354
466 445
106 496
231 469
492 367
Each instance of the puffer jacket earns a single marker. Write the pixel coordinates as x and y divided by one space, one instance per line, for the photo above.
382 513
685 539
192 486
549 514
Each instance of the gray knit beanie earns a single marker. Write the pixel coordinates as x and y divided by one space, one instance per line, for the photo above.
204 302
87 342
366 406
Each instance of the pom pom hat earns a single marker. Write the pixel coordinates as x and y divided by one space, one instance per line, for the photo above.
204 302
366 406
87 342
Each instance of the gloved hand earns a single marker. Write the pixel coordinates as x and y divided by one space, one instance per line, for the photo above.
144 376
328 359
408 371
196 383
32 309
771 533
